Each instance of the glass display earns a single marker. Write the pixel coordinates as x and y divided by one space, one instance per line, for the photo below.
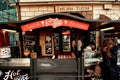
56 41
66 40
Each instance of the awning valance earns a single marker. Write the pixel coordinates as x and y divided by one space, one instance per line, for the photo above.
55 22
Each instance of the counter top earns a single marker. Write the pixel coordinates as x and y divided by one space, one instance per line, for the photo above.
15 62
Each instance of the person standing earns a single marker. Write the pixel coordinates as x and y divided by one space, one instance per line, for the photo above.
110 70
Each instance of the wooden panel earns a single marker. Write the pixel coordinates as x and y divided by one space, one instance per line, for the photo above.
42 42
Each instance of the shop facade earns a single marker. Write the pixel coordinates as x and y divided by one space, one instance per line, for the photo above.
55 34
98 10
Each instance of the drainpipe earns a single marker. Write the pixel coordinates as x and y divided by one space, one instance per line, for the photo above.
20 33
18 9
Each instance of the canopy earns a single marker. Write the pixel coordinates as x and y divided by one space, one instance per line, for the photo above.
61 19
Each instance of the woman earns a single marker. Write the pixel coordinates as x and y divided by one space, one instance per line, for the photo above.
110 69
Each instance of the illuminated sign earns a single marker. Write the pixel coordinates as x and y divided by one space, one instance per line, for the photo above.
55 22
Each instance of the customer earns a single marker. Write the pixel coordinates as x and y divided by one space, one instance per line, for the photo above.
110 69
92 45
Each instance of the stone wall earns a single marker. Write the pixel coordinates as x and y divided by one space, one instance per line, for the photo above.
113 13
32 11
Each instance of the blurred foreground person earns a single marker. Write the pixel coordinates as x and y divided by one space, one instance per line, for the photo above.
110 70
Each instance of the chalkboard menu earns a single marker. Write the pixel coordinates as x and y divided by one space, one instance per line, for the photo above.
15 74
56 41
93 36
29 41
48 44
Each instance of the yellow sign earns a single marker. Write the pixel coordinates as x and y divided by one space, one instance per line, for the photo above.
72 8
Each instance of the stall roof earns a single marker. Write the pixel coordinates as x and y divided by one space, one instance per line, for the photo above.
94 24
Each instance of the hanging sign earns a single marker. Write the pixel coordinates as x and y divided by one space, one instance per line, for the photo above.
55 22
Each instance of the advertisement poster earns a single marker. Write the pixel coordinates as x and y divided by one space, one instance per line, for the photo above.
48 44
14 74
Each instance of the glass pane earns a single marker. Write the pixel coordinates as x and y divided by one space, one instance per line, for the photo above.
7 12
66 40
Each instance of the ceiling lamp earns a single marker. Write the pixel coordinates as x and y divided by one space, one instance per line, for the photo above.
106 29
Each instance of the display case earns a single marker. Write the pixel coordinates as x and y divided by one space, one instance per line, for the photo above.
66 40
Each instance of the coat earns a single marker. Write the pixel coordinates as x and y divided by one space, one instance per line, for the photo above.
110 70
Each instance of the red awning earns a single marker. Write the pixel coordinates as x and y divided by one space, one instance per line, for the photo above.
55 22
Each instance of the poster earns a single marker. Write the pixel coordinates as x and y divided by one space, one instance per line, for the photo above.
48 44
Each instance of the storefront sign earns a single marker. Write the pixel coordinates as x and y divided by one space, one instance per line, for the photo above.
73 8
5 52
55 22
14 74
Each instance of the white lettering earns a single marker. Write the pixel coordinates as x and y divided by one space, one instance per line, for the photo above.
22 77
10 74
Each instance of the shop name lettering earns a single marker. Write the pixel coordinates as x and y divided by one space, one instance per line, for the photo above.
77 8
15 75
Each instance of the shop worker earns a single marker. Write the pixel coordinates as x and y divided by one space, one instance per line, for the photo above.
89 51
110 70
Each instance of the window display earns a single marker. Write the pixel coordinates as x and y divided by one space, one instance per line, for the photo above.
56 41
48 44
66 40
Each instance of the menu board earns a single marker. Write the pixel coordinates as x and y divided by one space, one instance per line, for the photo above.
29 41
56 41
14 74
93 36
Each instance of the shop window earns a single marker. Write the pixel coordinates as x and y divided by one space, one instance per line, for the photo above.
56 42
66 40
8 38
14 37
